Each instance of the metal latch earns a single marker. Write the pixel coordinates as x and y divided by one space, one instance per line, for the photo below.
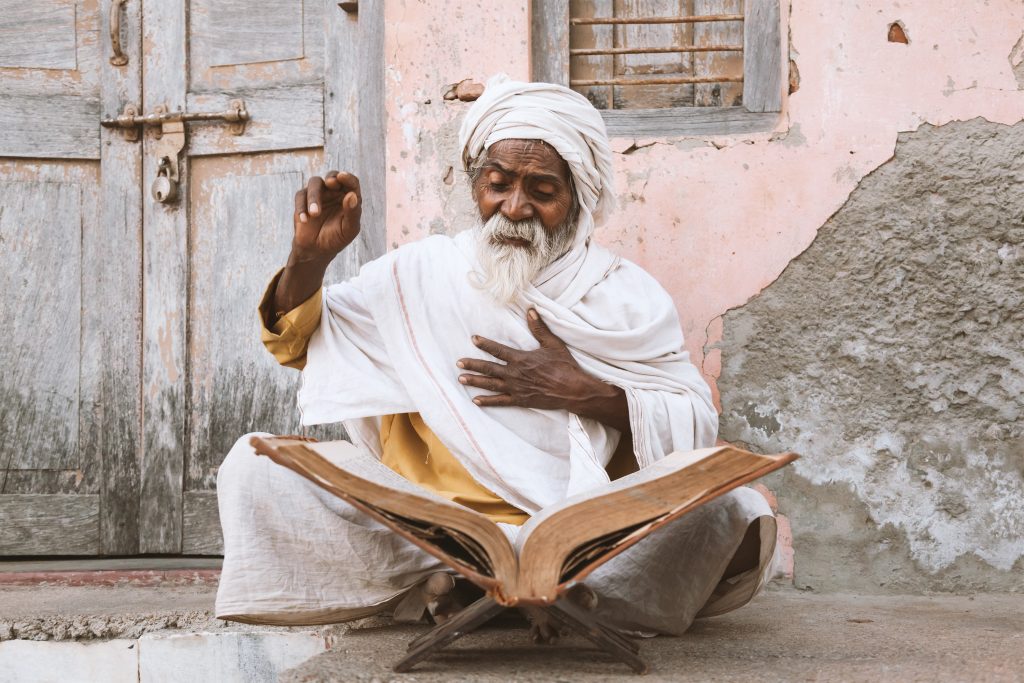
171 138
130 121
168 149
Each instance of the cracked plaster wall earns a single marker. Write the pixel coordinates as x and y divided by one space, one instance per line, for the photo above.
891 354
715 219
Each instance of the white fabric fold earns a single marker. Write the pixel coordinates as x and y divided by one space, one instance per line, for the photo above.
389 340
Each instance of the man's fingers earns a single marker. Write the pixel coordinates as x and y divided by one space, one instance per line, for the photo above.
314 192
483 382
341 181
483 367
494 401
352 207
300 206
540 330
499 351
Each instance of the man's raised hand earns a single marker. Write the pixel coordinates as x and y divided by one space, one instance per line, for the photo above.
326 219
327 212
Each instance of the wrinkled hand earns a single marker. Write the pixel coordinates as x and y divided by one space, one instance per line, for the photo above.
548 378
326 220
327 214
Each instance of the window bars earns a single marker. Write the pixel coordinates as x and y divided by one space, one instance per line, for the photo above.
710 61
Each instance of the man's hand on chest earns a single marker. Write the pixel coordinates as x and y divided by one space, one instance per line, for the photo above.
547 378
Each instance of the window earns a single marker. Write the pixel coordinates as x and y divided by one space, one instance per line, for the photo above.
663 67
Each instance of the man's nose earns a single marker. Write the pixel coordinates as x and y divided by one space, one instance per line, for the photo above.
517 207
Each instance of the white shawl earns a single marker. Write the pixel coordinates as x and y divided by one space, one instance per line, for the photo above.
390 337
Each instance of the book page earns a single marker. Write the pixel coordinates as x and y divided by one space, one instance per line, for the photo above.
567 541
667 465
464 539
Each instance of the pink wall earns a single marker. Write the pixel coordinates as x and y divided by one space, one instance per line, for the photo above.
714 219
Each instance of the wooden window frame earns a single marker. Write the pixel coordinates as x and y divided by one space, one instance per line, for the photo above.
762 77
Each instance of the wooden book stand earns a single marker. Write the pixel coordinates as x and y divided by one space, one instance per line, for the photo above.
563 612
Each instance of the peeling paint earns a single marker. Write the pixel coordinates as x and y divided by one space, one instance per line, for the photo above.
1017 62
898 33
889 355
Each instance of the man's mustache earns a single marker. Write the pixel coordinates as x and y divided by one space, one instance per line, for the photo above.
527 231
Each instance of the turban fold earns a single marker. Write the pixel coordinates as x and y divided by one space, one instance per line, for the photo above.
561 117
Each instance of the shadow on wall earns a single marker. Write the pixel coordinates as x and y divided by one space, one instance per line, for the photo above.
889 355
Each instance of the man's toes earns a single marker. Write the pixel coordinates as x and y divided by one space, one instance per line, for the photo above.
444 608
439 593
543 634
582 596
542 629
438 584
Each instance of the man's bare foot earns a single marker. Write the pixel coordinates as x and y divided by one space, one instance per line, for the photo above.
447 595
429 595
543 629
441 600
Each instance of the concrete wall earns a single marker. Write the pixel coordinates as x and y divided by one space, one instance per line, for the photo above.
850 282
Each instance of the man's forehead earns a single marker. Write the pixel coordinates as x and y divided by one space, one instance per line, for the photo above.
532 156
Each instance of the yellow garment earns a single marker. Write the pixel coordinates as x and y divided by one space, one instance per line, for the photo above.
409 447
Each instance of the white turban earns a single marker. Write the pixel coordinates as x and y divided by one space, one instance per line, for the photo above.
561 117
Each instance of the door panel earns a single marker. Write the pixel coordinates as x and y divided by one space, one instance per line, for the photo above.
51 42
49 524
283 117
232 32
49 73
239 44
231 232
240 233
69 254
41 235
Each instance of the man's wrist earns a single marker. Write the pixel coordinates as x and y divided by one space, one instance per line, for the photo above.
600 401
313 260
302 276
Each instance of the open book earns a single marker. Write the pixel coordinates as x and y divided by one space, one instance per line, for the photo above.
557 547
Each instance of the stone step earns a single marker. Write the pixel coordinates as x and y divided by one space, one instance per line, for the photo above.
65 626
164 657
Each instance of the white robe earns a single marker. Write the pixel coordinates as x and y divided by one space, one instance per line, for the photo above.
389 339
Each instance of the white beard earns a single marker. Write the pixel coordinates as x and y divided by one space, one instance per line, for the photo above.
506 269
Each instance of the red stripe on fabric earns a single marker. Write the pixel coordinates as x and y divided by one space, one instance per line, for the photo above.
437 385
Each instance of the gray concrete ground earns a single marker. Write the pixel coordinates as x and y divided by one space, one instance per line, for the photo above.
785 635
782 636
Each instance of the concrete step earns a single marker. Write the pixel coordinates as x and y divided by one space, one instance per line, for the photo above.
66 627
165 656
167 633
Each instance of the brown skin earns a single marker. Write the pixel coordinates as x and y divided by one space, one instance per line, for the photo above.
326 220
522 179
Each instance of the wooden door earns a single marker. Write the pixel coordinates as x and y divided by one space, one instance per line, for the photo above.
309 75
135 360
70 268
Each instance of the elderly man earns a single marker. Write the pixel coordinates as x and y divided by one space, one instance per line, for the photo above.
504 369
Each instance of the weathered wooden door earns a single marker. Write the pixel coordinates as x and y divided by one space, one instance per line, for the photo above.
71 281
174 301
